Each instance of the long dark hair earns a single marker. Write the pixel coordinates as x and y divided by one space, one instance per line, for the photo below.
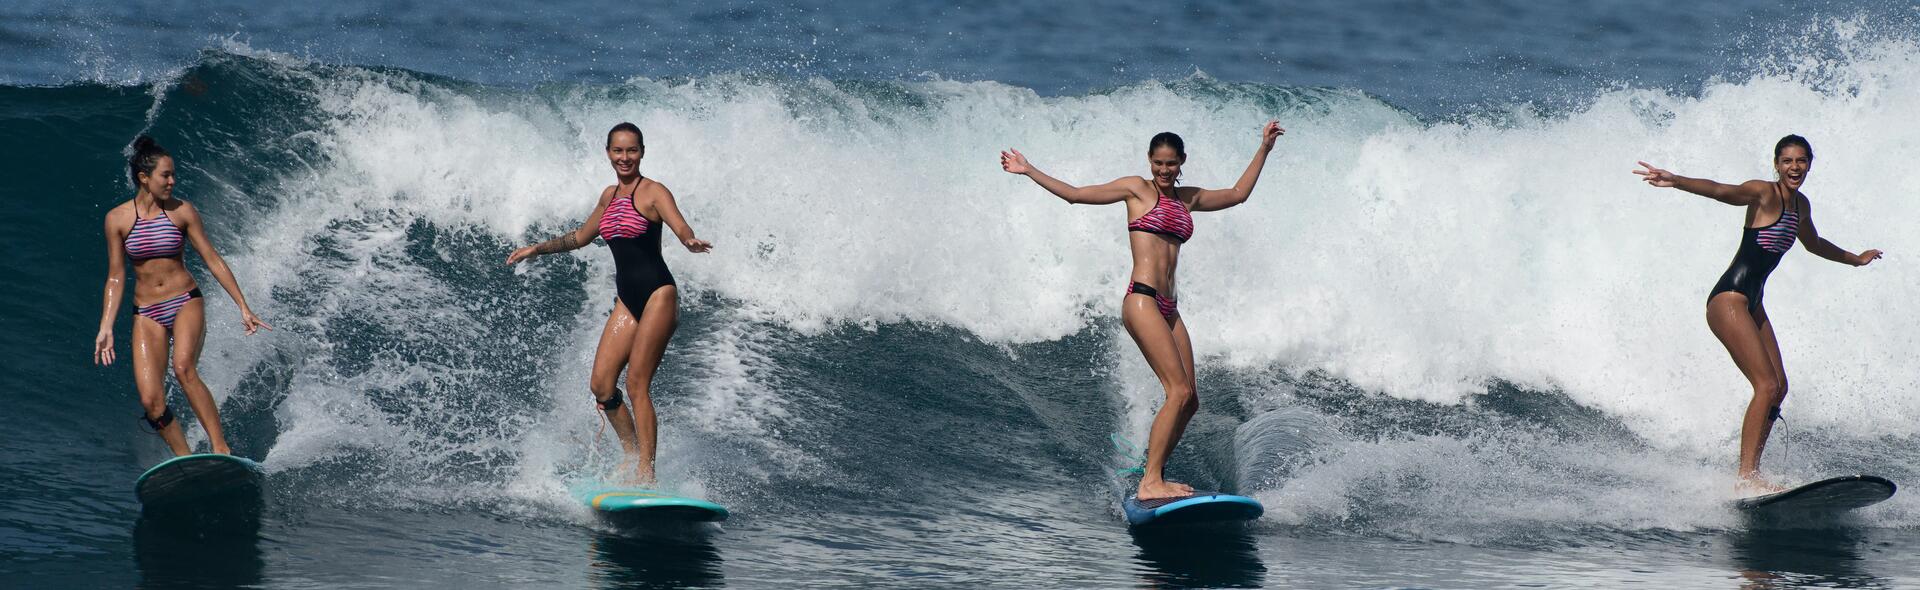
143 156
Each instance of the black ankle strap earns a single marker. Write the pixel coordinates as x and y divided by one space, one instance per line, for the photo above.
166 418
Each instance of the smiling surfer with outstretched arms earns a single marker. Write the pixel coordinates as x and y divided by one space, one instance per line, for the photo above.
1778 215
1159 222
631 215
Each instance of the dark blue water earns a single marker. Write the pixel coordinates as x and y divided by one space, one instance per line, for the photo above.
1450 343
1425 55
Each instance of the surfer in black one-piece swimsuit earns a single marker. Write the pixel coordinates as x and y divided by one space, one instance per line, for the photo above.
646 311
1778 214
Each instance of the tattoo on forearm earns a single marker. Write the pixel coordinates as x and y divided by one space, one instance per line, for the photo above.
562 243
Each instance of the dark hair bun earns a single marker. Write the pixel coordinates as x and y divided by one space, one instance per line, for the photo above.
146 153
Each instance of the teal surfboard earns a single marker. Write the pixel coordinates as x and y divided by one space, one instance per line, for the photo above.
199 478
628 504
1201 507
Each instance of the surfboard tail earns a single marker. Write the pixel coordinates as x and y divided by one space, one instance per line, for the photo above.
200 479
1201 507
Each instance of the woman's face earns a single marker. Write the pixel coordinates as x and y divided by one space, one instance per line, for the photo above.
1792 165
623 151
1166 166
159 182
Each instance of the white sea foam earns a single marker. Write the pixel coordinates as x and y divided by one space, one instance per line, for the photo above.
1414 259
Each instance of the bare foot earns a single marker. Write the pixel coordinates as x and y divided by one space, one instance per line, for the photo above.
1154 490
1754 485
631 474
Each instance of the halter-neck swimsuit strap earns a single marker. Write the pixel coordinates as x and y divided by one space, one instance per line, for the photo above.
638 268
154 237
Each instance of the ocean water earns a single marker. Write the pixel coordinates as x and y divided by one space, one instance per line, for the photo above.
1450 343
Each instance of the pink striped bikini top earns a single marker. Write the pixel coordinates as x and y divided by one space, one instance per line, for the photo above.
622 219
1168 217
1780 236
154 237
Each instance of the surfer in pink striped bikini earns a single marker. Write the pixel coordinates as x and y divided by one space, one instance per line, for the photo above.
152 231
630 216
1160 221
1778 214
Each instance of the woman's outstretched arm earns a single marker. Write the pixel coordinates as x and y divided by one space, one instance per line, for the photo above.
197 233
1819 246
1103 194
569 241
1217 199
1743 194
670 213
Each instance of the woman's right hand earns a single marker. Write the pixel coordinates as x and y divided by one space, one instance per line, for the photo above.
520 254
103 347
1656 176
1012 161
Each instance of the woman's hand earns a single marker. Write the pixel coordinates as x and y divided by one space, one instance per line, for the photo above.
1656 176
520 254
103 347
696 245
1863 258
1271 131
252 322
1012 161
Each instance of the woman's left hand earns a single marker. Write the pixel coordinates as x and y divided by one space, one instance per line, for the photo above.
1865 257
252 322
1269 133
696 245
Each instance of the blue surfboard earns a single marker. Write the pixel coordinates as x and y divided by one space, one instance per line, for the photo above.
1197 508
638 505
188 479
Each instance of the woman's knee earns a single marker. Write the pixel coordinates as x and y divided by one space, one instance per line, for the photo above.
154 405
186 371
1769 391
1182 396
603 388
